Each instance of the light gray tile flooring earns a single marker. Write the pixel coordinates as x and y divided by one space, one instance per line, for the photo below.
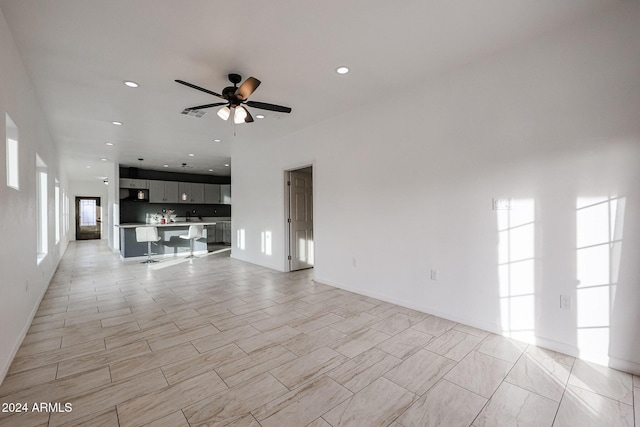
216 341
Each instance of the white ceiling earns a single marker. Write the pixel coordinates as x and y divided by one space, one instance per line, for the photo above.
79 52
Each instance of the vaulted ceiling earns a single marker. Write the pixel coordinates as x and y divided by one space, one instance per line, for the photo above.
78 53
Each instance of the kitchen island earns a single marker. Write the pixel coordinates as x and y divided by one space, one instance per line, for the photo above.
170 242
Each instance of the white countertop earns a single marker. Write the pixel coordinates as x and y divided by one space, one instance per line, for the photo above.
171 224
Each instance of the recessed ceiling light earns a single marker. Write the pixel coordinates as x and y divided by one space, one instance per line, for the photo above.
117 123
166 166
210 170
191 154
226 164
342 70
259 116
108 143
130 83
217 140
103 159
88 166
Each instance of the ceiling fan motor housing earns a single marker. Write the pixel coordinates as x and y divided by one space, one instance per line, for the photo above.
228 92
235 78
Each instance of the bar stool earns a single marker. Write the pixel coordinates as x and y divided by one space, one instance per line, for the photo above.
149 235
195 232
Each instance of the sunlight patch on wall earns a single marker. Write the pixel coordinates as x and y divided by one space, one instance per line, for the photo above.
599 224
265 242
240 244
311 255
516 268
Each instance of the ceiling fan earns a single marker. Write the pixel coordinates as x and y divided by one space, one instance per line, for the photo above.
234 97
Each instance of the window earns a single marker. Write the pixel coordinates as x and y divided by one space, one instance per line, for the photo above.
65 213
57 210
12 153
41 182
88 213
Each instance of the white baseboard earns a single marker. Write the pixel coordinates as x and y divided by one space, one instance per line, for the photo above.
5 369
270 267
485 326
561 347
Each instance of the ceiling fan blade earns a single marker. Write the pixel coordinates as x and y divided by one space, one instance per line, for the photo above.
182 82
249 118
200 107
247 88
270 107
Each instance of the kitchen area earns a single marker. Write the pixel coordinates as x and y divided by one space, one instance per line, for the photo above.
172 202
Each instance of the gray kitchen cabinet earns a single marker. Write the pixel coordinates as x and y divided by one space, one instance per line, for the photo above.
223 232
212 193
134 183
226 233
211 233
225 194
191 192
163 192
171 192
197 193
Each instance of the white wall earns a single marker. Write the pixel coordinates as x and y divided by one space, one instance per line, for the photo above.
23 281
553 121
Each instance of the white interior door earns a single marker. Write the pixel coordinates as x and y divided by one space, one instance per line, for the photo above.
300 219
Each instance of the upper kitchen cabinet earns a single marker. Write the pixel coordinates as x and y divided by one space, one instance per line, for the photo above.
134 183
191 192
225 194
212 194
163 192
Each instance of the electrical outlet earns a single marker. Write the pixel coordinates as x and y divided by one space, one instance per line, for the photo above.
565 302
434 274
501 204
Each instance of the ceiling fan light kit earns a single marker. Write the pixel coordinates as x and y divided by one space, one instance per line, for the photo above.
240 115
234 97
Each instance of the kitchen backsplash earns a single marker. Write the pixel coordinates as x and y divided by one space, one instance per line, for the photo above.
136 211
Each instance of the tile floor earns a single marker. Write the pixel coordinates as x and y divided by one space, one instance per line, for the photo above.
221 342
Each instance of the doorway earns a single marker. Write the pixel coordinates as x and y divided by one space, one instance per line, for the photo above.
299 212
88 218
